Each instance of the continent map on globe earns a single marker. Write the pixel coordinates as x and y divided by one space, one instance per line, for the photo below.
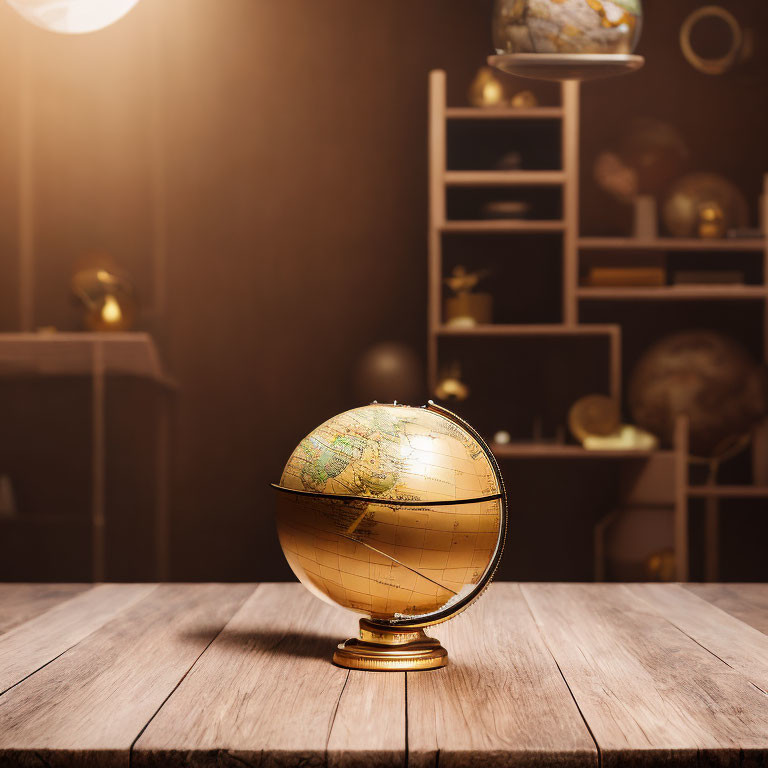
372 526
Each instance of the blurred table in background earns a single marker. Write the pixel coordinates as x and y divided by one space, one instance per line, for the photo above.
232 675
98 356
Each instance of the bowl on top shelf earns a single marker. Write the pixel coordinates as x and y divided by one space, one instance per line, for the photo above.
566 39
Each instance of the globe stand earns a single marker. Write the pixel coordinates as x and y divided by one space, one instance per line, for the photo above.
566 66
384 648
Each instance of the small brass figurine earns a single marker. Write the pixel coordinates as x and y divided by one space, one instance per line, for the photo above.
465 308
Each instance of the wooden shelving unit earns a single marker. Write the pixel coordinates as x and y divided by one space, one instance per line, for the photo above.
676 462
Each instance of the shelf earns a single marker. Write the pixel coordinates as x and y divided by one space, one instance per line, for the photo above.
670 244
549 451
133 354
504 178
673 293
529 330
728 491
504 113
504 225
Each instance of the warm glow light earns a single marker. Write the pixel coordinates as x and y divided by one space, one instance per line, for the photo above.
72 16
110 311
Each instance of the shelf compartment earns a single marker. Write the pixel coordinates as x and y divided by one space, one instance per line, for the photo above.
504 226
504 113
674 293
504 178
670 244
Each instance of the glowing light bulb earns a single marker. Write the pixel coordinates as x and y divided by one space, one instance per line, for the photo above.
72 17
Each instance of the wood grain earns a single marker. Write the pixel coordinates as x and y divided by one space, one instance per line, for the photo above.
502 700
22 602
29 646
650 694
739 645
90 704
748 602
265 692
369 727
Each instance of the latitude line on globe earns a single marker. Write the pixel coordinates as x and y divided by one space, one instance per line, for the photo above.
399 562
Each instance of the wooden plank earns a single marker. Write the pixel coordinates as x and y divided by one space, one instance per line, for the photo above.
651 695
22 602
504 113
271 696
747 602
91 703
571 91
728 491
671 244
484 226
504 178
33 644
369 727
673 293
550 329
501 701
739 645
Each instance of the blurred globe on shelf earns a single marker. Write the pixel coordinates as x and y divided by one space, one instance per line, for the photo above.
566 26
646 158
707 377
389 372
704 205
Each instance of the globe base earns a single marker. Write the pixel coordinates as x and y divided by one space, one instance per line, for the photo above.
381 648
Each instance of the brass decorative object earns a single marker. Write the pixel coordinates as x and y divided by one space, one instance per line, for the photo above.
720 64
467 308
524 100
398 514
593 415
566 39
704 205
106 295
595 421
486 89
450 386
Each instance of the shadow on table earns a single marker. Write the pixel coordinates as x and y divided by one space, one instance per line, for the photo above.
308 645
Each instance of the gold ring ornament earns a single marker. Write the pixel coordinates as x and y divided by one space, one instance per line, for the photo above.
722 64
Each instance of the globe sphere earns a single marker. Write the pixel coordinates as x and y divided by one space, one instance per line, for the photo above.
705 376
393 512
704 205
566 26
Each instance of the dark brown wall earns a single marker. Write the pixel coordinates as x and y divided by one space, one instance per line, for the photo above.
260 168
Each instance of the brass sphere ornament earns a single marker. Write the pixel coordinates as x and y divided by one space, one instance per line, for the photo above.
398 514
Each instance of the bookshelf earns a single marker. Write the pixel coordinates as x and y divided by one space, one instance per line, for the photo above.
671 467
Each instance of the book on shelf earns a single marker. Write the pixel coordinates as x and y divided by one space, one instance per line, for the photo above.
607 277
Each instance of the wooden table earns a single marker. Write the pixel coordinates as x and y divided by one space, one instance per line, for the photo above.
239 675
